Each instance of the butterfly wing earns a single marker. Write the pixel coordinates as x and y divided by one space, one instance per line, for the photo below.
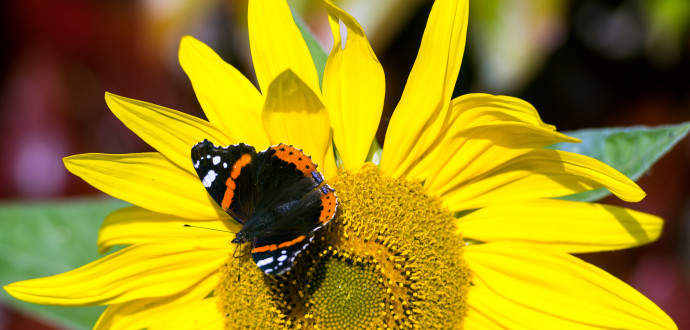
276 194
227 175
276 255
293 190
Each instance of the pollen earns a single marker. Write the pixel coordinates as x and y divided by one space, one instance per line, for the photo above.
389 259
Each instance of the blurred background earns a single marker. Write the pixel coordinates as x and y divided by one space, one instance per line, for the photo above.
586 63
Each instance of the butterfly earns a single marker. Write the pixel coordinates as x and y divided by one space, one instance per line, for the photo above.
277 195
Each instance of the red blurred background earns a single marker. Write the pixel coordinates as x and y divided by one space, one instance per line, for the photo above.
582 64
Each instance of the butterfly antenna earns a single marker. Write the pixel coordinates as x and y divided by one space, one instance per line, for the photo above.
225 231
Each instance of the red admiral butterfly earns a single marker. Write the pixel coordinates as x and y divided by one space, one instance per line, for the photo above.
276 194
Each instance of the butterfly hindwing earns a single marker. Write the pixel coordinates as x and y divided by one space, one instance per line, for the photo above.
276 255
227 175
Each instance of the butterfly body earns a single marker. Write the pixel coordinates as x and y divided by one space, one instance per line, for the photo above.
276 194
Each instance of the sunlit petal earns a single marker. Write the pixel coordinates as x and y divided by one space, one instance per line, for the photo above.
136 272
134 225
171 132
148 180
423 107
571 227
475 319
202 314
539 173
474 151
353 89
149 313
481 129
521 287
477 109
226 96
277 45
294 115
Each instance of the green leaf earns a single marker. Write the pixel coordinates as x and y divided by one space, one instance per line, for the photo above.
630 150
318 54
47 238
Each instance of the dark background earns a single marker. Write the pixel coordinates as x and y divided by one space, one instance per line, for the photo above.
580 63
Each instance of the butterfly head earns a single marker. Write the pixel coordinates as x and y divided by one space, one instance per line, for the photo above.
241 237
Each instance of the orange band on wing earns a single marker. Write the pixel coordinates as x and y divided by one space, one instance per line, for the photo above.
229 194
273 247
230 183
239 164
295 156
329 203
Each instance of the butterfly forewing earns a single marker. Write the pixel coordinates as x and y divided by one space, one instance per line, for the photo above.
279 182
227 175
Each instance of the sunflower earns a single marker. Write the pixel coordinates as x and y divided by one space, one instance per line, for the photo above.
452 225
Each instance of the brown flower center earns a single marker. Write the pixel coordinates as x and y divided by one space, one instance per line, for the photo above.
390 258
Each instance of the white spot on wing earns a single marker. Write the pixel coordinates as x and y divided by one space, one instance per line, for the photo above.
225 165
196 165
282 258
208 179
216 160
264 262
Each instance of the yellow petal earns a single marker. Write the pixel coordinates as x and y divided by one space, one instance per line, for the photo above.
171 132
419 117
353 89
135 225
139 271
477 109
474 151
475 319
566 226
229 100
277 45
148 180
478 124
203 314
540 174
149 313
293 115
553 290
